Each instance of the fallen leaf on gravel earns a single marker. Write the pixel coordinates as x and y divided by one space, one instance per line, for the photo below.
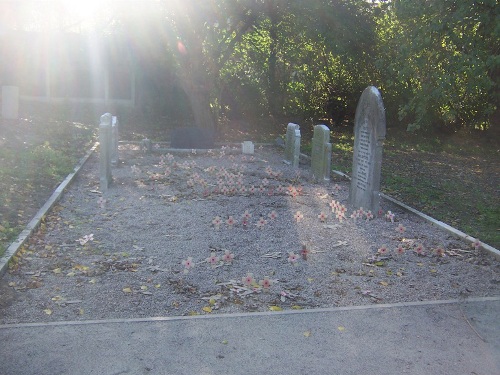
207 309
56 271
57 298
12 283
433 270
70 274
384 283
296 307
144 287
341 328
81 311
79 267
275 308
379 264
420 264
307 333
92 281
157 286
193 313
310 279
399 273
224 342
127 290
33 284
48 311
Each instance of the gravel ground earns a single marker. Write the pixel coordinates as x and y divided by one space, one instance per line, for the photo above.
160 211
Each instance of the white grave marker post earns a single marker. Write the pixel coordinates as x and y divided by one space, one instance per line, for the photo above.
105 177
369 136
114 140
247 147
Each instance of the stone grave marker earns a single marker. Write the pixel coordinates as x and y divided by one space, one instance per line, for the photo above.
247 147
369 136
321 153
105 177
114 140
10 102
292 144
192 138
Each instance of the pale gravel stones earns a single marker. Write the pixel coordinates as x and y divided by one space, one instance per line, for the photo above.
152 222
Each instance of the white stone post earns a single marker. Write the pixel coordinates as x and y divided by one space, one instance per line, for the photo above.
105 177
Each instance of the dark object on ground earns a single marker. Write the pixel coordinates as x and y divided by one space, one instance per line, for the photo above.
192 137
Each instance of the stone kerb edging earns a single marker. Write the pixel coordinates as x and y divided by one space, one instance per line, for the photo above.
200 151
448 228
444 226
37 219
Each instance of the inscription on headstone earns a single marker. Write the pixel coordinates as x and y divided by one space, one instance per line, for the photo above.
369 136
105 177
321 153
292 144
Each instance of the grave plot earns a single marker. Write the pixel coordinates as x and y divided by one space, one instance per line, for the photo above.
222 232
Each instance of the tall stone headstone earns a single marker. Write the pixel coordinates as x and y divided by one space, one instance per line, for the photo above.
292 144
10 102
369 136
105 145
321 157
114 140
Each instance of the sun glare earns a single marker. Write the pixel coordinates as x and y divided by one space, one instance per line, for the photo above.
82 8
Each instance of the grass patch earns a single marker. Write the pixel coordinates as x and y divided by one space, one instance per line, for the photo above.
452 178
35 156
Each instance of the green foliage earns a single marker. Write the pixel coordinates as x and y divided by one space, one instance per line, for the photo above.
7 235
439 61
300 60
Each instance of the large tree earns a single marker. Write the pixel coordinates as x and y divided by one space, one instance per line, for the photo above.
440 60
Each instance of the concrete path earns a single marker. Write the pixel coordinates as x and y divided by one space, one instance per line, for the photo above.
443 337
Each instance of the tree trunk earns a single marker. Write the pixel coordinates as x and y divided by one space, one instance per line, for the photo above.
272 89
199 99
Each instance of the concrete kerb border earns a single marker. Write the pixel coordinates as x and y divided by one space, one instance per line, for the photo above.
444 226
447 228
253 314
40 215
168 149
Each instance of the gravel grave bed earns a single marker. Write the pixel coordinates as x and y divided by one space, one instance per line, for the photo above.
157 220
